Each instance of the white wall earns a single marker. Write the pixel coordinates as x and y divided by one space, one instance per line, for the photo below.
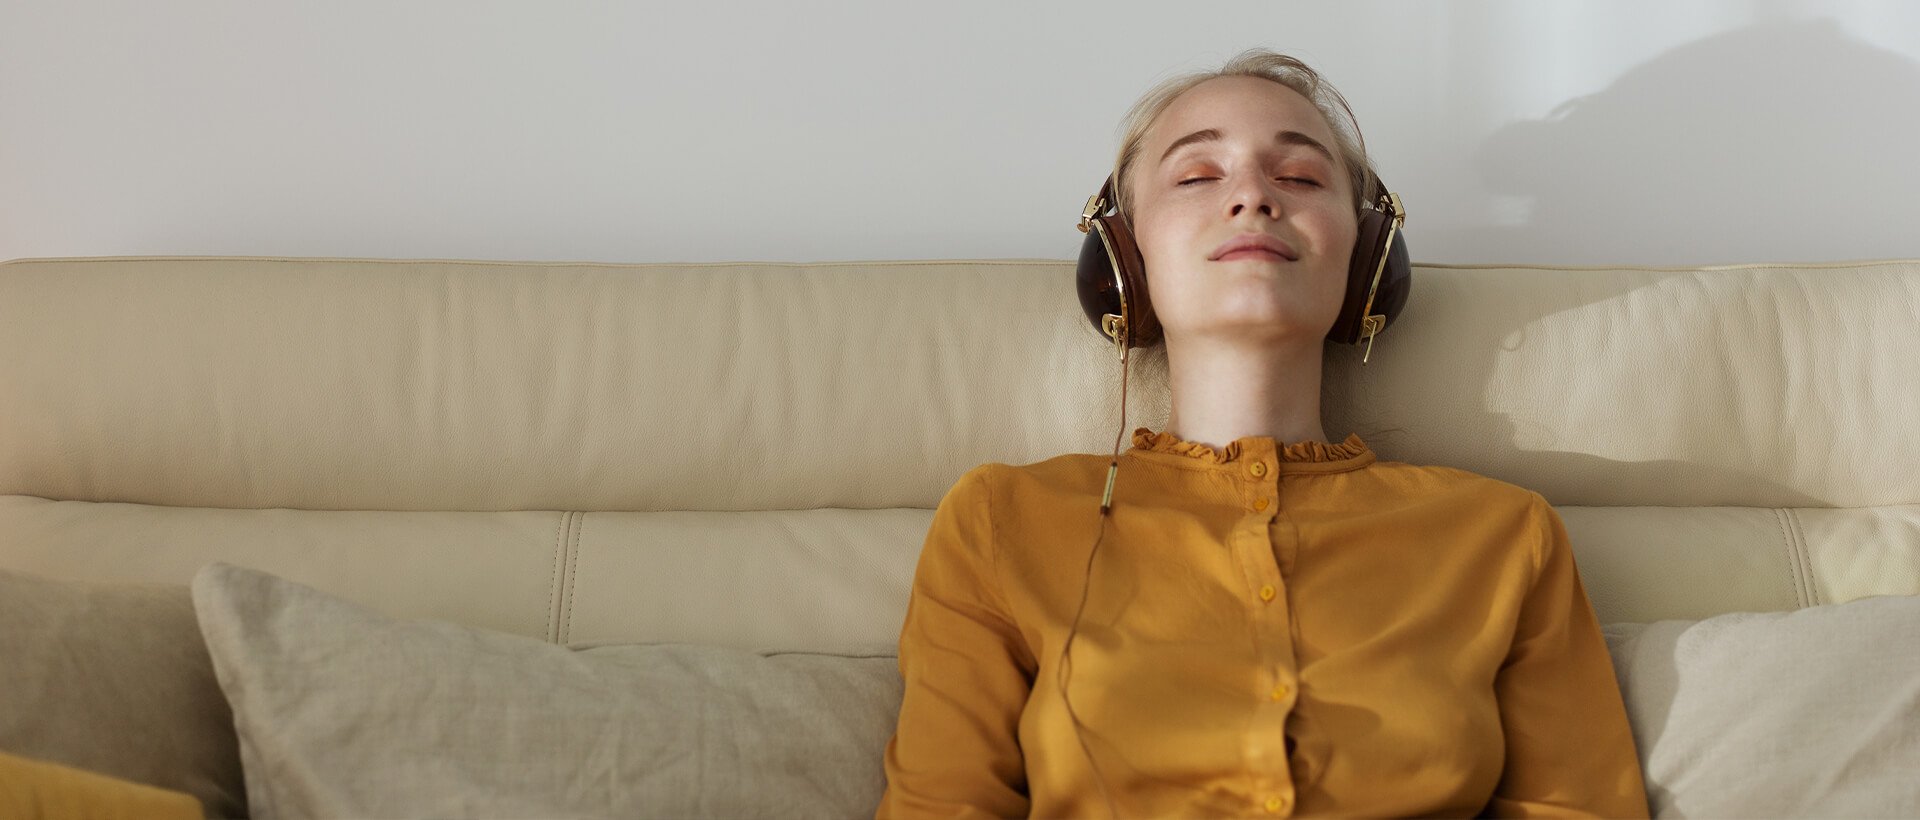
1516 131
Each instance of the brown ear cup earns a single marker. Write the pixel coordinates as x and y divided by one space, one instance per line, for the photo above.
1112 278
1104 285
1377 238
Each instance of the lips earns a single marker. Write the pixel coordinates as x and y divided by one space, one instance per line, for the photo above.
1252 253
1254 246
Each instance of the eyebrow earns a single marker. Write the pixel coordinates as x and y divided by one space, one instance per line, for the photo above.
1281 137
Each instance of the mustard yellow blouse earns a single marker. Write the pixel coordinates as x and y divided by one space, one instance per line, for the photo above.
1269 631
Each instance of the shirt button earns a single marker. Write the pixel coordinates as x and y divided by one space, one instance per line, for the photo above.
1275 803
1267 592
1258 469
1280 692
1259 504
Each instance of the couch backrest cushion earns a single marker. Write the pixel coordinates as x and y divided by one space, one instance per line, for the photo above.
747 454
1746 385
343 385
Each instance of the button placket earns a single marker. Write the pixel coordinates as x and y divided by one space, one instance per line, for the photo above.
1259 478
1264 490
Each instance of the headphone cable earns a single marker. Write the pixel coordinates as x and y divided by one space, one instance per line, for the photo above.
1064 669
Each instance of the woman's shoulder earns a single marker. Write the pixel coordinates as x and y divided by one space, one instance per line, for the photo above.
1454 499
1065 473
1016 492
1428 481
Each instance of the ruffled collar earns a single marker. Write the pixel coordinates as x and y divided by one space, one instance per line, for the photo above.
1301 452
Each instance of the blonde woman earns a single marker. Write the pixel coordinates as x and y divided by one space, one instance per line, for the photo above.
1265 623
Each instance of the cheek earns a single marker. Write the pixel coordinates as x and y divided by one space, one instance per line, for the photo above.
1338 226
1341 234
1159 241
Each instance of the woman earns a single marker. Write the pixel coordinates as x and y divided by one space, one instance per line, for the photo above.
1275 624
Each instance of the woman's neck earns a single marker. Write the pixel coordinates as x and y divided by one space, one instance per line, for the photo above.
1225 391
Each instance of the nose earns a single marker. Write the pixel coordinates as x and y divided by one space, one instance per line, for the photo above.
1253 193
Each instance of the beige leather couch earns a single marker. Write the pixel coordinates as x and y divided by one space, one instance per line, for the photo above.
747 455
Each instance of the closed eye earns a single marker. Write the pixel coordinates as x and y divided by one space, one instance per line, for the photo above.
1305 180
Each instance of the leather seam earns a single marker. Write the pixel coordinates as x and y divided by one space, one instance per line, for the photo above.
573 571
1793 561
1806 555
554 581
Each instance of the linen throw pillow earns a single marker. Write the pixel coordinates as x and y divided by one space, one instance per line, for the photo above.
111 677
345 712
1807 713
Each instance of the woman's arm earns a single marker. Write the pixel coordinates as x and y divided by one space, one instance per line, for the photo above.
955 751
1569 748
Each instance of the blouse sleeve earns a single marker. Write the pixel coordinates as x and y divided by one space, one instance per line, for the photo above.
1569 747
955 751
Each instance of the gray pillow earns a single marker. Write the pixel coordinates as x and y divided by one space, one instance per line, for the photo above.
112 677
1807 713
345 712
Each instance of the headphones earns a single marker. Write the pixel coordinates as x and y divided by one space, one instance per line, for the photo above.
1112 277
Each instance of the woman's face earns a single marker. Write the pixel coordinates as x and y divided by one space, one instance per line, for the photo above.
1189 204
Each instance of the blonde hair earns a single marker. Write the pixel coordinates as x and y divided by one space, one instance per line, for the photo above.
1254 62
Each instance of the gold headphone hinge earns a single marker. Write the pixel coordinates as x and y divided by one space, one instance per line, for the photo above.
1116 329
1370 327
1093 209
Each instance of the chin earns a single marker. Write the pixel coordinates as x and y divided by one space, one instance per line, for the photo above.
1264 303
1268 330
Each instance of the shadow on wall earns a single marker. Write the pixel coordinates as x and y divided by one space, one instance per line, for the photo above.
1773 143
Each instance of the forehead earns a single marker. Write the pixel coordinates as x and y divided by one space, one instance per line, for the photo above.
1241 108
